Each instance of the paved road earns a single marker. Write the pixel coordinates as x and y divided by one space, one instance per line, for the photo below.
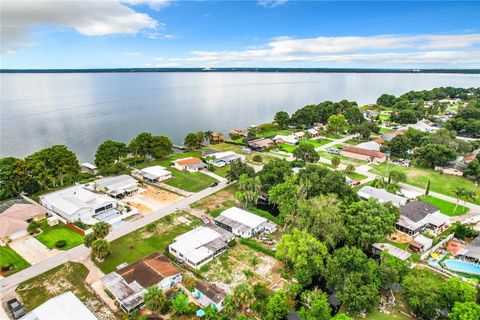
15 279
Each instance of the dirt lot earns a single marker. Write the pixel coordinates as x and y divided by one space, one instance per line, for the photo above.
243 264
400 237
221 199
149 198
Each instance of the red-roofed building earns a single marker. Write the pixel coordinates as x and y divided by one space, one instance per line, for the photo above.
363 154
14 221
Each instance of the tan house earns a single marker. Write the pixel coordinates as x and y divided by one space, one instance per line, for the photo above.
217 137
363 154
14 221
191 164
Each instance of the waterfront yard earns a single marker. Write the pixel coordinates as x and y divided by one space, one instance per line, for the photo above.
191 182
315 143
9 258
222 147
66 277
50 236
155 237
419 177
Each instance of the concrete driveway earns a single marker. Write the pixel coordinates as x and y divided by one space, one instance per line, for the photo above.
32 250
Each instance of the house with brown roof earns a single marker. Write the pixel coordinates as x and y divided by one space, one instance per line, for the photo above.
363 154
260 144
217 137
129 284
191 164
208 294
14 221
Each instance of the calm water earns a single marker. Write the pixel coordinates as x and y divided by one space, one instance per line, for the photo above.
81 110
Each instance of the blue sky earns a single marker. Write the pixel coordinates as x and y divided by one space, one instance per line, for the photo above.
136 33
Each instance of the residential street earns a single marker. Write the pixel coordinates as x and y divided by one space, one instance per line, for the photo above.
80 251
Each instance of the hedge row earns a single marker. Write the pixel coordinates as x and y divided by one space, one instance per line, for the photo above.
256 246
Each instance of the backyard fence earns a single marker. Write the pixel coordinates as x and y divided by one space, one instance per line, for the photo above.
427 253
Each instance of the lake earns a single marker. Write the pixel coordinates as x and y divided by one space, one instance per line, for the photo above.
81 110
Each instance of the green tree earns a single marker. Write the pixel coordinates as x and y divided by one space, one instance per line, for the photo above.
365 129
160 146
321 216
427 189
386 100
396 176
350 168
274 172
285 195
277 306
306 152
100 249
192 141
459 194
354 278
423 293
465 311
455 290
243 296
154 299
392 270
141 144
473 170
341 316
321 180
207 135
89 239
337 123
238 168
315 306
282 119
181 305
13 173
335 161
404 116
249 189
302 253
462 231
101 229
369 221
432 155
109 152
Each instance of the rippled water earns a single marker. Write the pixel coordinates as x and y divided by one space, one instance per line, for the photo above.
83 109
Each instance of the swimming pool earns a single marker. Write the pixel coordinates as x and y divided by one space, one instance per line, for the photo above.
462 266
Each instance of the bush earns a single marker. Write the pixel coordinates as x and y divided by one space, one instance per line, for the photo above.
257 158
257 246
232 243
151 227
60 244
6 267
33 227
89 239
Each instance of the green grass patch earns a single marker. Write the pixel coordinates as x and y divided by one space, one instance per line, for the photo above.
353 142
257 246
9 257
286 147
419 177
446 207
355 175
318 142
141 243
215 213
385 130
222 172
50 235
274 132
191 182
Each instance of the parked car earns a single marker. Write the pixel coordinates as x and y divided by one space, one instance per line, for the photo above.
214 184
16 308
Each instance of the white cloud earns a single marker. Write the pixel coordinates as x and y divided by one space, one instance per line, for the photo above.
88 17
153 4
271 3
401 50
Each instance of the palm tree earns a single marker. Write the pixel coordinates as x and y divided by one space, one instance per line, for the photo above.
243 296
207 135
459 193
154 299
468 195
335 161
100 249
396 176
101 229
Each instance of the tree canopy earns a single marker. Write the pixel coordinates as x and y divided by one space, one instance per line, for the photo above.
109 152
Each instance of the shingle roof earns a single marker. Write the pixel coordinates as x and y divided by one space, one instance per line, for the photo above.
210 290
366 152
186 161
417 210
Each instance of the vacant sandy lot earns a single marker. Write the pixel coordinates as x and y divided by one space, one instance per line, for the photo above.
149 199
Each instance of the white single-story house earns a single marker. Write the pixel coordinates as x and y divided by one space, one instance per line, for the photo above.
62 307
14 221
116 186
153 174
129 284
221 159
421 243
88 167
200 245
78 203
424 125
290 139
418 215
378 248
191 164
241 222
313 132
381 195
208 294
299 134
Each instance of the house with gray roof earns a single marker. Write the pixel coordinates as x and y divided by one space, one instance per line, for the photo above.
471 251
418 215
382 195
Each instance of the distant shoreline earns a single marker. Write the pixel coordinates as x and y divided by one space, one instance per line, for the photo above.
260 70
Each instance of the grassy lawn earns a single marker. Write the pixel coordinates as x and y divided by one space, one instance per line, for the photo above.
345 160
191 182
353 142
66 277
318 142
384 117
355 175
50 235
286 147
274 132
446 207
9 257
385 130
222 172
145 241
238 149
441 183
